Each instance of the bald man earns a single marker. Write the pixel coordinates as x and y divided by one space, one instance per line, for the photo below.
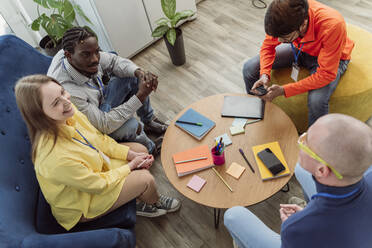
335 155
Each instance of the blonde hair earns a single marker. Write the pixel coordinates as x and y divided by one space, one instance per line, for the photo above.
28 97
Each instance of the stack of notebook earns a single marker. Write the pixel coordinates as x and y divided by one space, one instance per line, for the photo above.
195 124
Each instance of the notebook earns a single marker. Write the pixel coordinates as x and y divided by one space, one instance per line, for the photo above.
193 166
239 122
243 107
235 130
196 183
235 170
195 131
264 172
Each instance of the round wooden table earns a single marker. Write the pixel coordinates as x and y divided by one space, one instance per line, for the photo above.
249 189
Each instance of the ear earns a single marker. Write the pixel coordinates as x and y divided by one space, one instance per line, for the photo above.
322 171
68 55
303 27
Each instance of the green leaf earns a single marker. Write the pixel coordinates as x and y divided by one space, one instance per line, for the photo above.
58 26
35 25
180 16
171 36
162 21
160 31
81 13
55 4
169 8
42 3
186 13
68 13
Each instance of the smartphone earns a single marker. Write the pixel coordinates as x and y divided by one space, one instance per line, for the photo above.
261 91
269 159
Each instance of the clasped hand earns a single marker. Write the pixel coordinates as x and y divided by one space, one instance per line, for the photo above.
272 91
148 78
286 210
139 160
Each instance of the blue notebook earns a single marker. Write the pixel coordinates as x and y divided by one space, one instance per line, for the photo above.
197 132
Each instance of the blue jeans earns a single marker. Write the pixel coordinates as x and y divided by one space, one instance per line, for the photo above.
317 100
249 231
118 91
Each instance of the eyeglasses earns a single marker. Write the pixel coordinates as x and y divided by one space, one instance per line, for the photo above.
312 154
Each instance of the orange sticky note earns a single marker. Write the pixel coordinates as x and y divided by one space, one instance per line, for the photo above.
235 170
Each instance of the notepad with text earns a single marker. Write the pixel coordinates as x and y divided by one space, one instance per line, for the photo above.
198 132
264 172
193 166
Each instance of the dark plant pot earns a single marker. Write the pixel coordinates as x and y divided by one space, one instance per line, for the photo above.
176 52
47 44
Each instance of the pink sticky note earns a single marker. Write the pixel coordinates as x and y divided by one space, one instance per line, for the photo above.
196 183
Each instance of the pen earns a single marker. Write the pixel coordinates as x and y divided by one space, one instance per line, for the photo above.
190 160
246 160
191 123
223 180
140 165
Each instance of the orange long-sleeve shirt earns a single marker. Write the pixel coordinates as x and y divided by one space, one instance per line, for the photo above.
326 38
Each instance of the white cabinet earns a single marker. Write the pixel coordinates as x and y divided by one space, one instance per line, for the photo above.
126 24
129 23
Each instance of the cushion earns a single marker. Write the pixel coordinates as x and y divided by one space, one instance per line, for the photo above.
353 95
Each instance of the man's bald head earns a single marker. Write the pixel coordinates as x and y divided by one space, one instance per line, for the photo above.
344 142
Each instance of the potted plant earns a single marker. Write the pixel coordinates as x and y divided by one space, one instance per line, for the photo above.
57 23
167 27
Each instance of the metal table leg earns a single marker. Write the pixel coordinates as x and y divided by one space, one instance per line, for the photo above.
285 189
216 217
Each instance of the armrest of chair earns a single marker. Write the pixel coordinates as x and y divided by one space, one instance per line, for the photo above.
112 237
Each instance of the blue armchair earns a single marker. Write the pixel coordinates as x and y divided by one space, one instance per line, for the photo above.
25 217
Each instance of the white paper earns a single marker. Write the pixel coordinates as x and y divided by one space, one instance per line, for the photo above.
239 122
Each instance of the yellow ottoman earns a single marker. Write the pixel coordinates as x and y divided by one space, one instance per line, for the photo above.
353 95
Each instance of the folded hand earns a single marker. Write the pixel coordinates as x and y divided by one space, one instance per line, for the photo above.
286 210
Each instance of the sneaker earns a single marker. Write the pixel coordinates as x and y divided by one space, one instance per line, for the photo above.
167 203
155 126
298 201
148 210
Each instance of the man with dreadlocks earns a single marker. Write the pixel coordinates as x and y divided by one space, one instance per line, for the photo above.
83 69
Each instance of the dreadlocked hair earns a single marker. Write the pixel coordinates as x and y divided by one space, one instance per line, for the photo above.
75 35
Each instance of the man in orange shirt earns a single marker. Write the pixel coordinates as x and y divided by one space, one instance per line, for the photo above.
301 33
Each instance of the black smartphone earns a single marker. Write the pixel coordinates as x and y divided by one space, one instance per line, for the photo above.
269 159
261 91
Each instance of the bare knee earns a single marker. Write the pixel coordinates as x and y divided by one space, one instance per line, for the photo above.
147 178
136 147
140 148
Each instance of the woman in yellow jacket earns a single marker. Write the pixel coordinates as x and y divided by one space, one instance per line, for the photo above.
82 173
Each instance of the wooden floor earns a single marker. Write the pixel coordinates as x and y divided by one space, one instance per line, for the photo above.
224 35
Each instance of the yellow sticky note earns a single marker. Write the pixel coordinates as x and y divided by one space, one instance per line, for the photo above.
236 130
235 170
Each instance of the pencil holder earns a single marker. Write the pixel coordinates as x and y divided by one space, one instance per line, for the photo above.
218 159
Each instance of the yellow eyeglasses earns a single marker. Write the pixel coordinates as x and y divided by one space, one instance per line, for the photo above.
312 154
